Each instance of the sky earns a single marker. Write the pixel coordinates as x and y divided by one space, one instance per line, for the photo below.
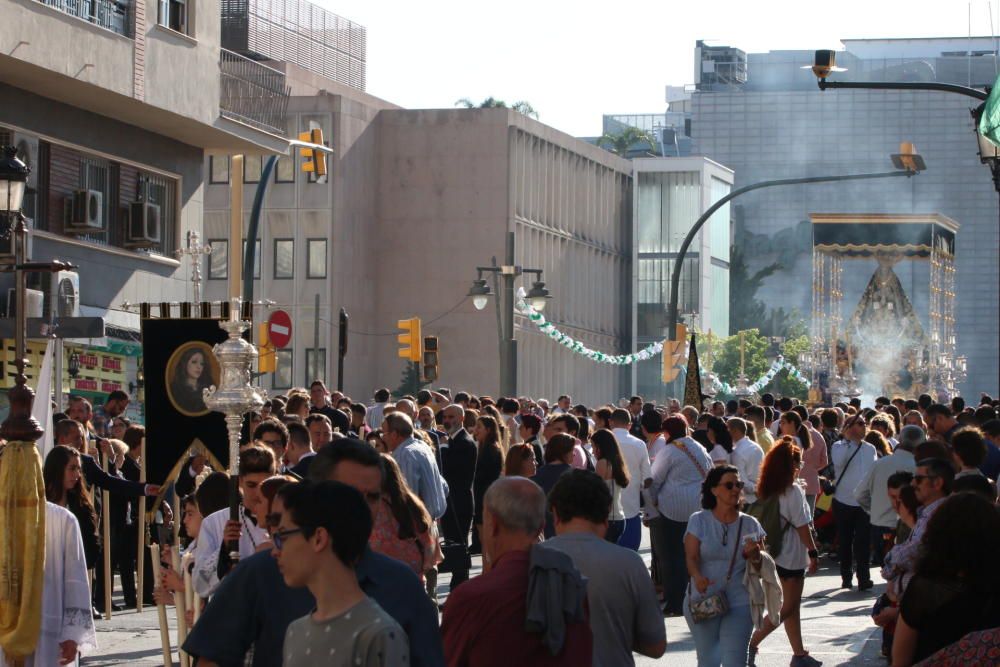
574 61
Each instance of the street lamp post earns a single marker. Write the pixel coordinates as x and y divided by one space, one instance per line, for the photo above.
907 163
537 297
825 63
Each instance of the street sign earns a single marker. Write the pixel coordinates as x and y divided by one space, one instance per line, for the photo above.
279 329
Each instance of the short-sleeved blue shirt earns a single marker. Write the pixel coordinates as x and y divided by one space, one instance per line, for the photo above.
715 556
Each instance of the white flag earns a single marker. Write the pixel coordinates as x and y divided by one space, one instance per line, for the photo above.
42 409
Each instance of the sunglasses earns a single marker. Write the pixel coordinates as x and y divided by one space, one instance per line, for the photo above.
732 485
279 536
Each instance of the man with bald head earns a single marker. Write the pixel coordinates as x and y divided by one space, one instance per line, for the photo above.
484 621
458 467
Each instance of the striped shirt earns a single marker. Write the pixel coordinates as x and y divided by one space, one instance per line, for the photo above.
677 479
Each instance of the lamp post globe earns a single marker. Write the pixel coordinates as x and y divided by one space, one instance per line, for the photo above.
13 176
538 296
480 293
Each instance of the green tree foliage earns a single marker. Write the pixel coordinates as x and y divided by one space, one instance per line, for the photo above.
411 382
493 103
783 384
620 143
725 361
727 357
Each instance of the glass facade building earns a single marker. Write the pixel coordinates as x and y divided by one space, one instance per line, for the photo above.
670 194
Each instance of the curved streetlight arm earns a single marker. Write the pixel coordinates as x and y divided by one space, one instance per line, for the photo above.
676 274
907 85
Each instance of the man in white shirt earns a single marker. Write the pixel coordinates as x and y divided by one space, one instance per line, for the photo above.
872 494
637 459
747 456
852 459
373 417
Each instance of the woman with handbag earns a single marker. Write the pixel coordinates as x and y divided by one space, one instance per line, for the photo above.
719 541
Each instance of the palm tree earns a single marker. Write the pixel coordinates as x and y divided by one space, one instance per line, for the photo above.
493 103
621 142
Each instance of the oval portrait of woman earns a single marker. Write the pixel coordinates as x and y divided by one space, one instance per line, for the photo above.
191 368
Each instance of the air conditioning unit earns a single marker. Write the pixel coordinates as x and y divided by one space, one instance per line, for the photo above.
62 293
84 212
34 298
143 226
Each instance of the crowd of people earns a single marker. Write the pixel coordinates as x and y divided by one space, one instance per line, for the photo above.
351 513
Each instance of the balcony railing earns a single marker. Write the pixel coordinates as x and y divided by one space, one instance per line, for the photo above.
110 15
252 93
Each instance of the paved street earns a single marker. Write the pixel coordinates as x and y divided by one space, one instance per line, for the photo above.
836 629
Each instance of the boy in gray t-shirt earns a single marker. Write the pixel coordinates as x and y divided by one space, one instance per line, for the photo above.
323 531
363 635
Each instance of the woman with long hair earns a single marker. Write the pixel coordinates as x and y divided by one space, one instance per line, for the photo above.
879 442
613 470
798 550
722 441
401 527
489 466
719 542
503 439
192 374
63 476
956 586
814 454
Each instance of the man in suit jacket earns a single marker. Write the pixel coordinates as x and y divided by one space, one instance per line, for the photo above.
71 434
458 467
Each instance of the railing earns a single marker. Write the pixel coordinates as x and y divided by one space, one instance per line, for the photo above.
108 14
253 93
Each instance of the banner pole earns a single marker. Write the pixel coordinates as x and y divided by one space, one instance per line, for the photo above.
140 560
106 537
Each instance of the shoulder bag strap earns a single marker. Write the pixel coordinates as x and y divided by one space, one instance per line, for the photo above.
736 548
841 475
683 448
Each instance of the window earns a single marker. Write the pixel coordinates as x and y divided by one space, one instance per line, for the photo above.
316 258
282 378
173 14
284 259
256 257
218 169
218 261
284 170
316 364
251 168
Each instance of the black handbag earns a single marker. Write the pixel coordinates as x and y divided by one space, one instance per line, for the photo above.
456 554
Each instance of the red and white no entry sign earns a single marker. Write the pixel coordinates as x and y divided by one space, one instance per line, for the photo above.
279 328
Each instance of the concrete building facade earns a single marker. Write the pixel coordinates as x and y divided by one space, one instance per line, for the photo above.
114 105
415 201
777 124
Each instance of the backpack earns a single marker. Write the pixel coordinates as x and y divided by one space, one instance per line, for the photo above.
768 513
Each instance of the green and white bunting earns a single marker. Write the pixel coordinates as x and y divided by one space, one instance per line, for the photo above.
576 346
644 354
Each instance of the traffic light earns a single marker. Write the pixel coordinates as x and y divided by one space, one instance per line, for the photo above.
267 358
430 373
410 340
673 350
315 160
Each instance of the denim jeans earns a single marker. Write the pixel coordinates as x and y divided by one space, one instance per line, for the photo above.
631 537
724 640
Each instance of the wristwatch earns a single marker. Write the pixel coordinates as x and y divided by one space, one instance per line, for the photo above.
813 553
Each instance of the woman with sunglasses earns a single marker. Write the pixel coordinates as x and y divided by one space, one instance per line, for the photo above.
798 550
719 541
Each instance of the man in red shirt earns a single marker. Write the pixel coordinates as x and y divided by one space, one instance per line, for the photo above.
484 619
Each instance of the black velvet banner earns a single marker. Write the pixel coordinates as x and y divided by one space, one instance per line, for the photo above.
178 363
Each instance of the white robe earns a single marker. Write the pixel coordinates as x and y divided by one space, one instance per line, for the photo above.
66 605
206 560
